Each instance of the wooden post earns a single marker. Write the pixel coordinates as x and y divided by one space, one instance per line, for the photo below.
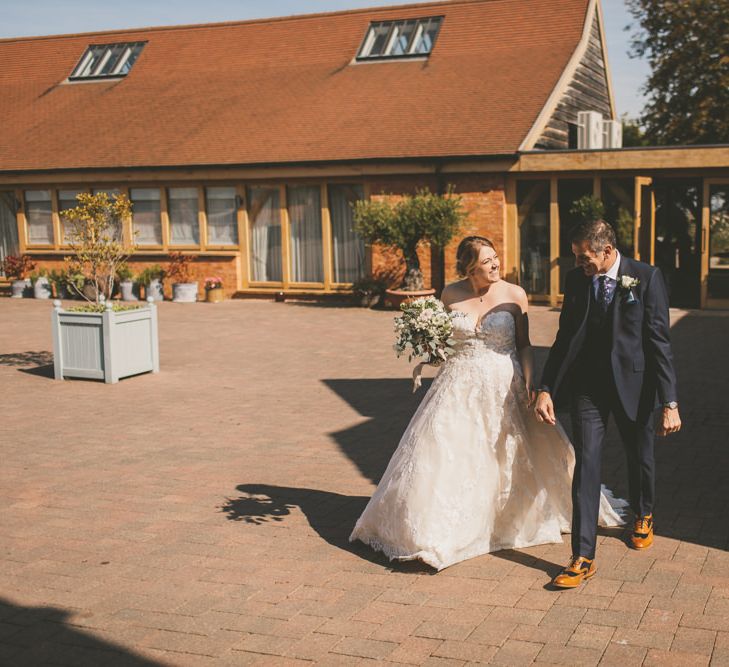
243 237
57 347
20 221
511 233
285 238
202 219
553 240
326 234
705 242
164 217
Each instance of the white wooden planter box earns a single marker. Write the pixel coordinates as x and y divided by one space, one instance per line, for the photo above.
104 346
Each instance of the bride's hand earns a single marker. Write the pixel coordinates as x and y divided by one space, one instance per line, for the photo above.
531 395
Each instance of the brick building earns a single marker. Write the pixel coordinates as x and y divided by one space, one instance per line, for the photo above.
243 143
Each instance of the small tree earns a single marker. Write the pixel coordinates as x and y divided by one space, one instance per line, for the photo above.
95 237
404 226
588 208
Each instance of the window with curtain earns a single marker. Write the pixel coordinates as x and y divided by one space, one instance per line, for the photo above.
348 249
115 192
222 218
146 216
304 208
8 227
38 216
264 221
66 200
182 211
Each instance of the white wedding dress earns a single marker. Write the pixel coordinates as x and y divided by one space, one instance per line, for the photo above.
474 471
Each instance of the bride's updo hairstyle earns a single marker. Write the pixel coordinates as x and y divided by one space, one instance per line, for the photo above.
468 251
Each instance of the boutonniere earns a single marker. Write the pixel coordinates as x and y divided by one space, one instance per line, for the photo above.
626 284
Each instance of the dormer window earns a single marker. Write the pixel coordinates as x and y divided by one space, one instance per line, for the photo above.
107 61
400 39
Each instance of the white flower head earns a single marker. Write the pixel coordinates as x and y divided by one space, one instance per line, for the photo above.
628 282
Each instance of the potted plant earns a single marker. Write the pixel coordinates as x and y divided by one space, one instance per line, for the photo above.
368 291
405 226
127 286
17 268
152 278
184 290
214 289
41 284
100 340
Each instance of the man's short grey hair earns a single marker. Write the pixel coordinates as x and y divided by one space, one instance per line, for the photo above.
597 233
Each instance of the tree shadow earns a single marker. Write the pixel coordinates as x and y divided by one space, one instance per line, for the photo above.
22 359
331 515
44 635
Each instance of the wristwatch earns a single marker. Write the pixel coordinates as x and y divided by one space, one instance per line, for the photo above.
671 405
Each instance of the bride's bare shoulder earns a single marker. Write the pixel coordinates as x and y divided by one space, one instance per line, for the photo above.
515 294
454 292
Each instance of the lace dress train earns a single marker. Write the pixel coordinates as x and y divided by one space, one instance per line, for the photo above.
474 471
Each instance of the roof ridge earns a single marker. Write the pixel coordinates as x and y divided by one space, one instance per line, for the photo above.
271 19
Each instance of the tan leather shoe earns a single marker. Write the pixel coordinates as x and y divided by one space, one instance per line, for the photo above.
575 573
642 536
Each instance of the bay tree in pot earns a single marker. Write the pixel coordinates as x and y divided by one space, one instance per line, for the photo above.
184 289
17 268
406 225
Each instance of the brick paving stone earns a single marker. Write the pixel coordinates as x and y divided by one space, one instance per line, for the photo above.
643 638
592 636
364 648
660 658
569 655
491 632
693 640
515 653
622 655
223 521
414 650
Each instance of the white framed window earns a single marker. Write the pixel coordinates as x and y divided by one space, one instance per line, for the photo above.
399 39
101 61
182 210
38 211
222 207
146 216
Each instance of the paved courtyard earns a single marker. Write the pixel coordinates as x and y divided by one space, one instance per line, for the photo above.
200 516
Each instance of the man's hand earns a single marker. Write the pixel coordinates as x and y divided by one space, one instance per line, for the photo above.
545 408
670 422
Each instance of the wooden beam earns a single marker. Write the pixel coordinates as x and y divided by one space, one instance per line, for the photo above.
714 157
511 232
243 237
285 238
705 239
326 233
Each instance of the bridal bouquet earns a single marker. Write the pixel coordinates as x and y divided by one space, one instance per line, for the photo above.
424 330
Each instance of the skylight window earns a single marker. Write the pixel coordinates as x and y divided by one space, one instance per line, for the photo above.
400 39
106 61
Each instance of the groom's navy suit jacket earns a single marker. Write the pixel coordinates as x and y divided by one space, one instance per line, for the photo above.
640 358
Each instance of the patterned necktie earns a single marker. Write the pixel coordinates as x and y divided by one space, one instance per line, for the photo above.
603 292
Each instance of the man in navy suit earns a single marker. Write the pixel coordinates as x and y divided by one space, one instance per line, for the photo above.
612 356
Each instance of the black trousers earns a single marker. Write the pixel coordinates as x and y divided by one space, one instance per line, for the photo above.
590 410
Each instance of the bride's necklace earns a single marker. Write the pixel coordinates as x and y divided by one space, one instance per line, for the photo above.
482 295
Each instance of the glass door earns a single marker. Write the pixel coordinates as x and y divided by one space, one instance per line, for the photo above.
678 238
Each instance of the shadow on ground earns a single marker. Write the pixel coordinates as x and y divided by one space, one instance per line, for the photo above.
45 636
331 515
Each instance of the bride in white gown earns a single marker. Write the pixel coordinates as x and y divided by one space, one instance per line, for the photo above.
474 471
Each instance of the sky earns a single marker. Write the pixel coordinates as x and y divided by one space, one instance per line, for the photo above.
49 17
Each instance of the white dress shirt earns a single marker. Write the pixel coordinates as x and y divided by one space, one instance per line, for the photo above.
612 273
